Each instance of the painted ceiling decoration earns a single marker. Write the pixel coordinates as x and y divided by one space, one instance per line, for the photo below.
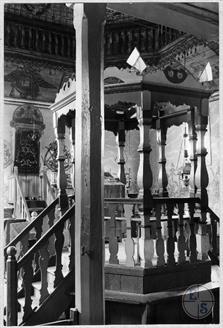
160 46
37 9
27 82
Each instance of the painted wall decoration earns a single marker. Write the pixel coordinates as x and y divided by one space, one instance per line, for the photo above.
50 157
26 82
175 75
7 154
27 152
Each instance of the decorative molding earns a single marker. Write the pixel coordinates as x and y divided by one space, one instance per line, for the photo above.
112 80
28 115
19 102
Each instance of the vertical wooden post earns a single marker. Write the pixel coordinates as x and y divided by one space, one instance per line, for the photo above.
72 138
44 192
11 268
145 179
121 147
59 125
161 140
192 150
89 218
201 179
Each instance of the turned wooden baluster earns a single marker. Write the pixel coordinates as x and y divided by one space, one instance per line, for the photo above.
192 238
44 256
214 235
201 180
162 177
121 146
49 46
27 279
39 230
56 48
51 221
113 241
129 244
145 180
192 151
181 241
160 249
59 241
59 126
22 33
170 238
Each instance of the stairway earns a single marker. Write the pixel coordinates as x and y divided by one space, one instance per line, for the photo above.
35 205
56 306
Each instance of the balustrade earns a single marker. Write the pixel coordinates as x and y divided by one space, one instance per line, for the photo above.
61 43
171 243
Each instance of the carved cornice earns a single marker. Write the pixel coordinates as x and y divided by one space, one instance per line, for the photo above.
121 111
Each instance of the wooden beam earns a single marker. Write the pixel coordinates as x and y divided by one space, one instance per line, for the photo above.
202 24
89 126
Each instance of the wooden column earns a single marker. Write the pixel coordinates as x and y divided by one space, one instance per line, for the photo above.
145 179
72 138
59 125
121 146
192 150
201 178
161 131
89 142
12 306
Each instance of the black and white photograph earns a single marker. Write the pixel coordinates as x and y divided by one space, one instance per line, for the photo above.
111 163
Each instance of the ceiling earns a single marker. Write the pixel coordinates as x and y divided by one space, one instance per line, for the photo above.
196 19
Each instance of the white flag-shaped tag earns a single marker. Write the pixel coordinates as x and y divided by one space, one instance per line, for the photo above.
136 61
206 75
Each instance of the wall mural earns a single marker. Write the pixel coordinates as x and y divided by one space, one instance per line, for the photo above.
50 157
7 154
26 82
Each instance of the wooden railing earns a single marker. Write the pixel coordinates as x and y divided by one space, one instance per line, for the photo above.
214 236
169 234
170 231
21 240
17 197
26 265
56 41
